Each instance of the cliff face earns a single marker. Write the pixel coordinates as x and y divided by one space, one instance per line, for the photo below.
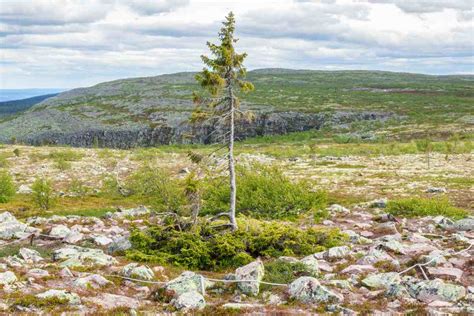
263 124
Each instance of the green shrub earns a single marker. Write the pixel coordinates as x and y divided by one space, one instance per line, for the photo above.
66 155
78 188
205 248
7 187
43 193
62 164
283 272
266 193
16 151
158 189
414 207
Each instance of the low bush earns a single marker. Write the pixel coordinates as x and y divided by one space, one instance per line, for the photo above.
7 187
208 249
265 193
66 155
157 188
282 272
43 193
418 207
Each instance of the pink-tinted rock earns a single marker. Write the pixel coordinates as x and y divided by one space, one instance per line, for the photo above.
446 273
358 269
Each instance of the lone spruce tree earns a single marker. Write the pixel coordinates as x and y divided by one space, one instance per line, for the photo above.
222 77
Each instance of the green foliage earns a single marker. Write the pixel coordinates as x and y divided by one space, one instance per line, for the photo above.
206 248
265 192
415 207
3 160
158 188
16 151
279 271
110 186
78 188
7 187
62 164
43 193
29 300
66 155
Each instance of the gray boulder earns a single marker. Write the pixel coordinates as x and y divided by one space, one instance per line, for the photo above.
119 245
30 255
10 227
94 281
134 270
466 224
189 300
382 280
252 274
7 278
71 298
75 256
309 290
59 231
337 253
187 282
429 291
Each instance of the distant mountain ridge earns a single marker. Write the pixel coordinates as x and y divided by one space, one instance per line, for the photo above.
149 111
20 94
15 106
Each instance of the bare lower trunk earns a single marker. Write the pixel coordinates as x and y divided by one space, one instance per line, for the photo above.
233 185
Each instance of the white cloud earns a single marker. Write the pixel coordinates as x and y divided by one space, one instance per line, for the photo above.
69 43
426 6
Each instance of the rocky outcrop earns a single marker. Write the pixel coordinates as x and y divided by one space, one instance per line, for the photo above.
182 132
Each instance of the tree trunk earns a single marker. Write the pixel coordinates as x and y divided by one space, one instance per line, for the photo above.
233 185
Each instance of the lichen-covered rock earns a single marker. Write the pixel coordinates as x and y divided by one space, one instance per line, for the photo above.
71 298
382 280
10 227
59 231
7 278
336 208
102 240
466 224
252 274
119 245
433 290
30 255
73 237
75 256
311 263
134 270
91 281
309 290
337 253
187 282
189 300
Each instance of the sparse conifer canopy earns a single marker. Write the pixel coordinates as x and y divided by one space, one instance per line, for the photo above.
223 78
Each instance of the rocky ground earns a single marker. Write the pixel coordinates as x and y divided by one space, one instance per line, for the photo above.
75 264
361 177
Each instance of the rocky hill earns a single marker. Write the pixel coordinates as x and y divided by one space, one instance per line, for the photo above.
155 110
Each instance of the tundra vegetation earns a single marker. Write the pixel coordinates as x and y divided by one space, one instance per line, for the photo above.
328 218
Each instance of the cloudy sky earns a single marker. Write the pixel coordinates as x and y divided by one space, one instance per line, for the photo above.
72 43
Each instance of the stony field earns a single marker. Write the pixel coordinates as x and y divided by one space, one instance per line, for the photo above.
394 234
